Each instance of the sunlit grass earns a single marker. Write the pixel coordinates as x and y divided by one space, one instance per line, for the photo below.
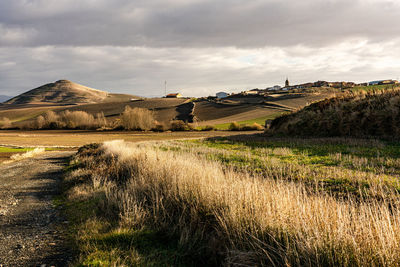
317 202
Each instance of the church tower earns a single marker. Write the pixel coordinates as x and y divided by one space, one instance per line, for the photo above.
287 82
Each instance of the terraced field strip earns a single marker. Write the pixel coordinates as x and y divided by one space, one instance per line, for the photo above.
74 138
260 120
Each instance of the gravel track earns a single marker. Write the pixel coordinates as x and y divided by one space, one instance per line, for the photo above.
32 230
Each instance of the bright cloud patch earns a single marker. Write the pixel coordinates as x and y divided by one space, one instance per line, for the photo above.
193 71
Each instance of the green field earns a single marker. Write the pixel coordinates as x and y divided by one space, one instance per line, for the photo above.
261 121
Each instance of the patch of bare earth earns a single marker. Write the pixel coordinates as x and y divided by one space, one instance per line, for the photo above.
32 230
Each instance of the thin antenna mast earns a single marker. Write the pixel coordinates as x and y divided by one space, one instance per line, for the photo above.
165 88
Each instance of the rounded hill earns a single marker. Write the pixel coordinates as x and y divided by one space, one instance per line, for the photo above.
60 92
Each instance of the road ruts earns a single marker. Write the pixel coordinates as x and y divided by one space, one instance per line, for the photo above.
32 231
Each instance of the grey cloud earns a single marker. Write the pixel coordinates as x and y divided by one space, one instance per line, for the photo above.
191 23
192 71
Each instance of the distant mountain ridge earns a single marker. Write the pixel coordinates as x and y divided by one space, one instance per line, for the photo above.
60 92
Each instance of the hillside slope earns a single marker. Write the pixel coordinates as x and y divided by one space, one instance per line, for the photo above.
164 108
352 114
62 91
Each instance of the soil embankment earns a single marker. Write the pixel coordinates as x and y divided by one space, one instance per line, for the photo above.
185 112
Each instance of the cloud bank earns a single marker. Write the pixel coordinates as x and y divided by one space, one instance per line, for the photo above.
198 46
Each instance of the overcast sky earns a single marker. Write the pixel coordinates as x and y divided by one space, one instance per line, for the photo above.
198 46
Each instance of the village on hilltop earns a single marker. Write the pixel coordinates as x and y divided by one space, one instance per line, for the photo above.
317 84
288 87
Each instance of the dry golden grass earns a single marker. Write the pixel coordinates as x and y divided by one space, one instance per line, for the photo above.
357 114
238 218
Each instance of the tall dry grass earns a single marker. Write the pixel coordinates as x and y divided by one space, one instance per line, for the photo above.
240 219
360 113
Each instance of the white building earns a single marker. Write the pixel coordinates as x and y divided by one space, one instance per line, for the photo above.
221 95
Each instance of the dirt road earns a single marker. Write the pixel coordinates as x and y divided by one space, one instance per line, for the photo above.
32 231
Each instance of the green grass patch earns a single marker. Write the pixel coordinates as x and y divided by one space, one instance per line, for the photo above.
4 149
260 120
14 150
143 247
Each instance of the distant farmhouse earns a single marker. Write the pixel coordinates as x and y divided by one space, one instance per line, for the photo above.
175 95
381 82
221 95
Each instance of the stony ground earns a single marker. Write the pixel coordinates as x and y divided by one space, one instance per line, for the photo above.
32 230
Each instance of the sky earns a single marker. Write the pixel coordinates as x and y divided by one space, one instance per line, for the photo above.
199 47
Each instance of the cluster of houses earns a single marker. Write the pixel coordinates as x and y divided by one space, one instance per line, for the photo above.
287 87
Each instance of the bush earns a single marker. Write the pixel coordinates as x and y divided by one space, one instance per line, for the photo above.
137 119
254 127
234 126
208 128
68 120
50 121
78 120
258 127
159 127
5 123
178 125
39 123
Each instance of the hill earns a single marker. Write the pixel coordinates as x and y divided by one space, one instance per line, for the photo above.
358 114
60 92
